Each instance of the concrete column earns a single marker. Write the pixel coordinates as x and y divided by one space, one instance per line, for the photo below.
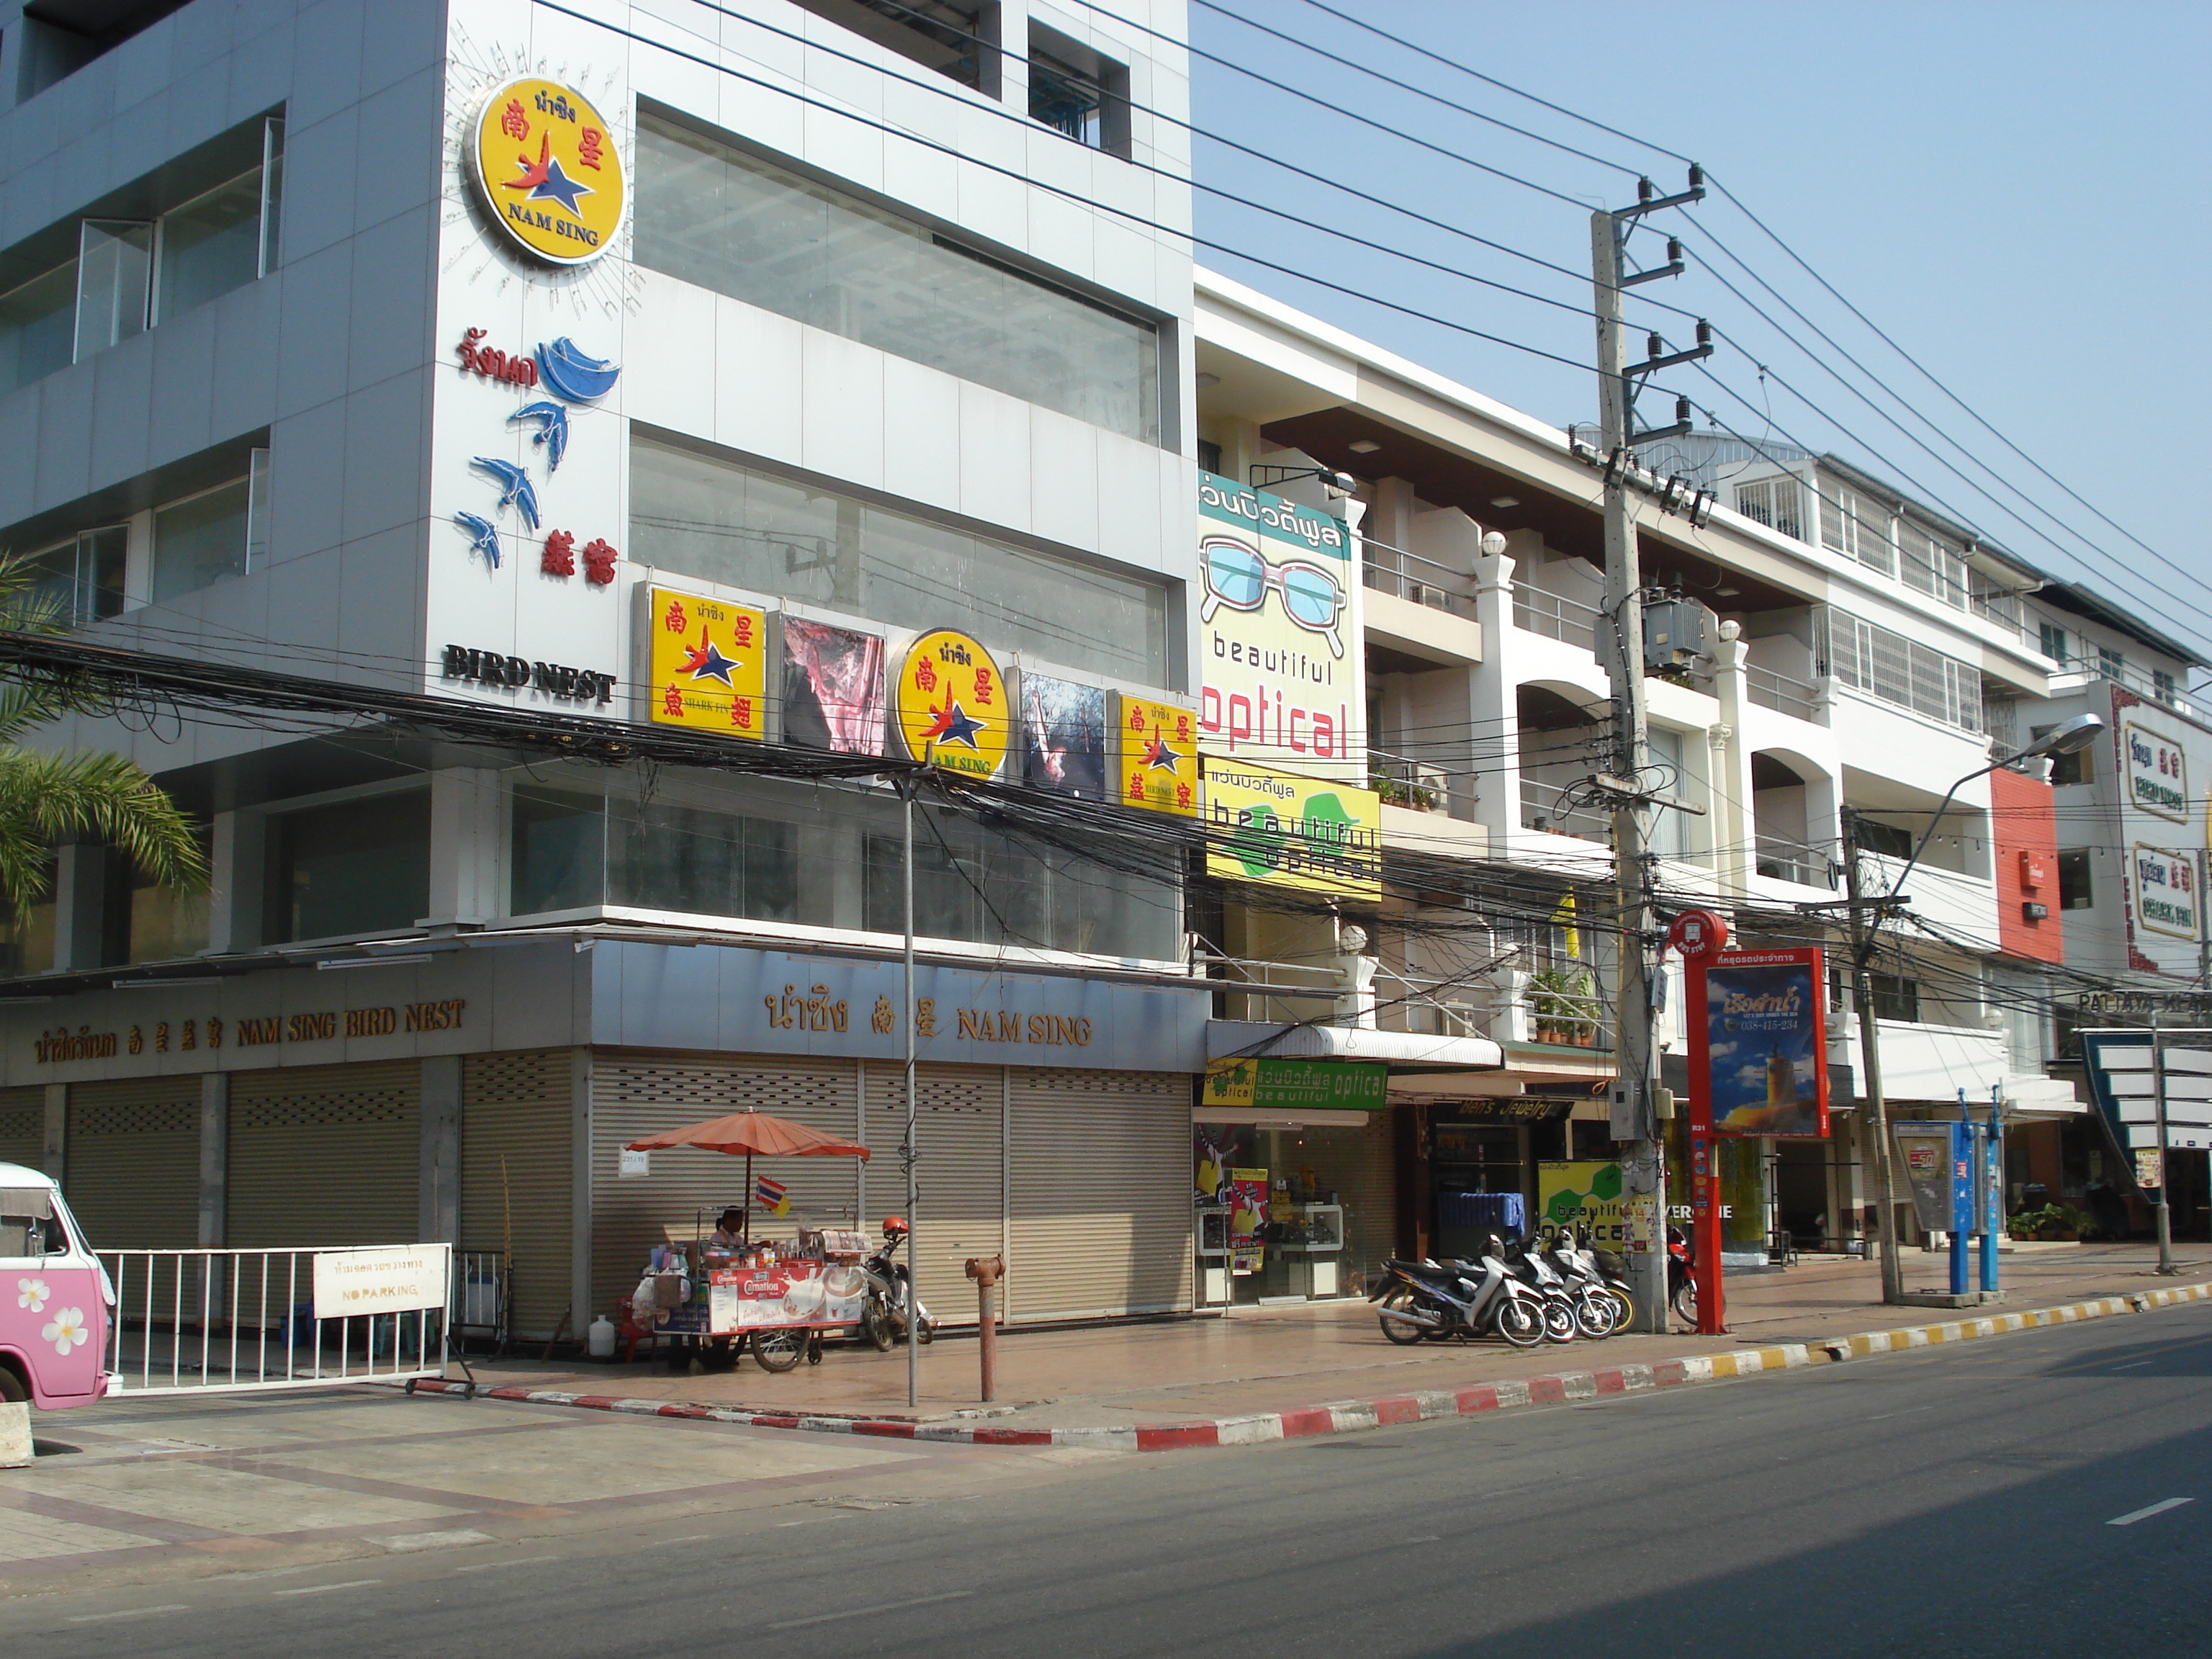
80 905
215 1159
467 852
438 1203
1492 708
237 882
1734 845
56 1158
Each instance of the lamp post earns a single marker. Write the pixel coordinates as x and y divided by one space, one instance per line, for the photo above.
2068 738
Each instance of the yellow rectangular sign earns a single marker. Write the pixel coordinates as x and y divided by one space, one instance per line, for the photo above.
1288 830
1155 755
709 664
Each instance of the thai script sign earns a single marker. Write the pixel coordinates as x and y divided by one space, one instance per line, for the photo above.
2158 778
1758 1044
391 1278
2164 884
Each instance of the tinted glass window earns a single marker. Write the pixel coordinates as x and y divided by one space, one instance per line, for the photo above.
358 866
200 540
37 327
714 215
212 245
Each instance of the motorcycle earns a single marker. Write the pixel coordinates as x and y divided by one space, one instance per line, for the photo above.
891 1286
1681 1280
1564 1316
1424 1301
1599 1310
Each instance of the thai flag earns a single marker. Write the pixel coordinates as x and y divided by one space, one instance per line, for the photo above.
772 1196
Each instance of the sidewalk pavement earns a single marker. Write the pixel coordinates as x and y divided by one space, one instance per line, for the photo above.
1264 1372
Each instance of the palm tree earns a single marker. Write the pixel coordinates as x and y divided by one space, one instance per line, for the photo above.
47 798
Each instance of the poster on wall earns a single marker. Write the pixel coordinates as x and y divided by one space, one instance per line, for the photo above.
833 688
1283 664
1063 736
1248 1213
1289 830
1758 1043
709 664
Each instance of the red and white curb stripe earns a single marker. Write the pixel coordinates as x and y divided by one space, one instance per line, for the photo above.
1350 1416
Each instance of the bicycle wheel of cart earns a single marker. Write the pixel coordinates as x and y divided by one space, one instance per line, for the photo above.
780 1348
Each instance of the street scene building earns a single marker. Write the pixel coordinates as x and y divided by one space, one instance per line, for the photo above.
725 435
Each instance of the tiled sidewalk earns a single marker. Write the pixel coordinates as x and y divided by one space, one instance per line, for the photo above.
1275 1359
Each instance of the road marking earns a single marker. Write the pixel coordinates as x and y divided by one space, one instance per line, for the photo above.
862 1612
2133 1515
1913 1412
401 1543
1426 1538
325 1589
493 1566
128 1613
2133 1364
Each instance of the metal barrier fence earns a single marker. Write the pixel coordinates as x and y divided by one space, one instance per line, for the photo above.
229 1320
480 1304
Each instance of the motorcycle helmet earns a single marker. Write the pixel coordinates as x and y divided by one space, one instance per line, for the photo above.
895 1227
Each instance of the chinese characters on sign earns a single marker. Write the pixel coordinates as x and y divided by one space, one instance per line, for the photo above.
949 704
544 169
709 664
1155 755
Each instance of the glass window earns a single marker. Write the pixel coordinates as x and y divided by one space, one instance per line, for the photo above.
272 194
2075 889
82 580
1894 998
2110 664
37 327
950 37
27 941
201 539
114 271
558 853
164 925
211 245
2050 639
712 215
699 516
668 856
357 867
2161 685
1066 99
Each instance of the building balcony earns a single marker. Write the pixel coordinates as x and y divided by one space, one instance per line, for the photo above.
1962 907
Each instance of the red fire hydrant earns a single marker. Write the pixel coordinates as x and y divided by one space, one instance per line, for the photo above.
987 1272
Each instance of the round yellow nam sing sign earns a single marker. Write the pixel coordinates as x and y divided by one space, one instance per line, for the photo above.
549 171
950 704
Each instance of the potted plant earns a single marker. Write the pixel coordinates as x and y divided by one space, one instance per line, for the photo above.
1558 997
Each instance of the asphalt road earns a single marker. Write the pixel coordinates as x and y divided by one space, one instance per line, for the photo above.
1999 1499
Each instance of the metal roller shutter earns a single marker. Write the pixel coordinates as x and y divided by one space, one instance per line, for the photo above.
634 1096
23 1126
132 1162
1101 1193
517 1164
960 1174
327 1155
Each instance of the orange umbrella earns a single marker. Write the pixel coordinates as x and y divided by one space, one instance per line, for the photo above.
753 1132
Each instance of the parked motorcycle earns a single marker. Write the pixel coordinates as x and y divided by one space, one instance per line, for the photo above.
1424 1301
1681 1279
891 1286
1564 1316
1598 1310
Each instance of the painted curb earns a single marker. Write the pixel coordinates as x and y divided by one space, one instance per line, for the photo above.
1351 1416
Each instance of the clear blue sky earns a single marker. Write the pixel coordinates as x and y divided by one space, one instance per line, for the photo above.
2017 193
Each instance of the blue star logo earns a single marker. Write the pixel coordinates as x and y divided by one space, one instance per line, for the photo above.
952 724
560 186
705 661
1158 757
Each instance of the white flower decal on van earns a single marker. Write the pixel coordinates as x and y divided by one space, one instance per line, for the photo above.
67 1331
31 1294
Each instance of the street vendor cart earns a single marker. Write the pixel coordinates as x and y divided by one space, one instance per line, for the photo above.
775 1298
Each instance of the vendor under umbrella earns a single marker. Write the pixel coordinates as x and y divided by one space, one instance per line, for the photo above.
728 1240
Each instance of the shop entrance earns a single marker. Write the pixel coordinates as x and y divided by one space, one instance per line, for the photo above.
1292 1212
1478 1185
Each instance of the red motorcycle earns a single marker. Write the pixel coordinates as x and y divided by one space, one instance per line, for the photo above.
1681 1280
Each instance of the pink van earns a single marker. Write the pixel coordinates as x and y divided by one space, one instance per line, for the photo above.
53 1297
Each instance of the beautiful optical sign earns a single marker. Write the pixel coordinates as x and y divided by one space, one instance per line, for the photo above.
1279 680
545 163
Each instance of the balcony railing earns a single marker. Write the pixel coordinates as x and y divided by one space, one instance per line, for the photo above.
1542 808
1426 1005
1782 860
1416 580
1422 786
1555 617
1779 692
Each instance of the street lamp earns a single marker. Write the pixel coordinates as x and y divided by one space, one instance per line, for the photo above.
2068 738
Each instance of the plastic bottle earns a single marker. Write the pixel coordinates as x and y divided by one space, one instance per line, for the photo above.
601 1338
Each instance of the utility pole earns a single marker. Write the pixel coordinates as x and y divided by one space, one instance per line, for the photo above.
1862 924
1644 1170
2165 1215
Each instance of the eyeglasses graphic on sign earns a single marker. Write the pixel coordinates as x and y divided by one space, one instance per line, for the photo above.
1237 577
